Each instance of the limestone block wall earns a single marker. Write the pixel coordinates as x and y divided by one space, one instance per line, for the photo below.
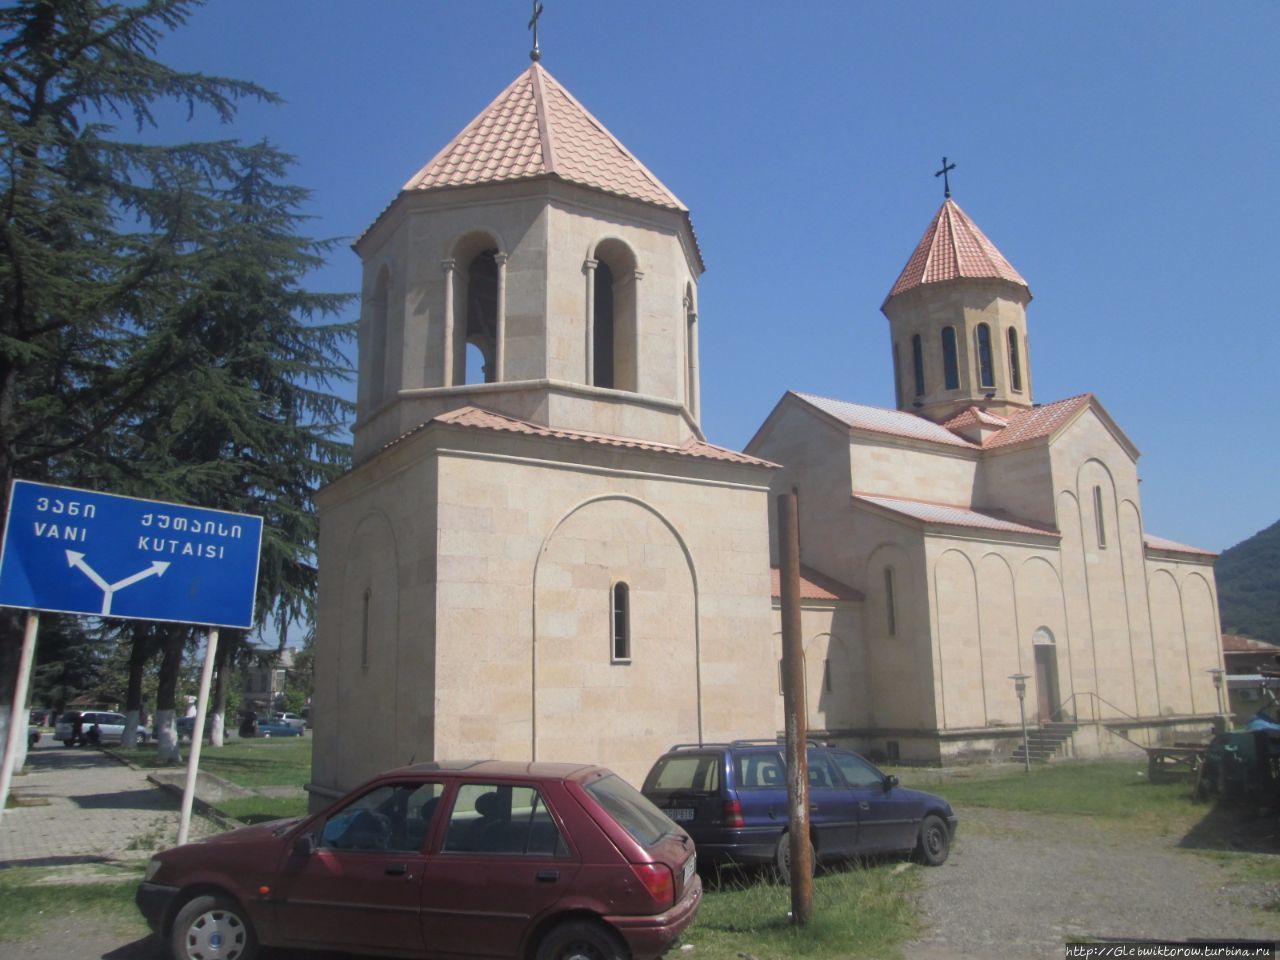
837 682
375 621
1187 634
528 554
936 473
990 601
1019 482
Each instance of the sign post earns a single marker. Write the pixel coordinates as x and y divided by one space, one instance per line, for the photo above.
17 716
102 555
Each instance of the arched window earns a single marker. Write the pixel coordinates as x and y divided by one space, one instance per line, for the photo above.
1015 361
378 310
615 350
621 620
986 370
950 364
917 363
482 317
890 604
1098 517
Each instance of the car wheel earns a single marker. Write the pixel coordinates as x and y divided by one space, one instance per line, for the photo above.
212 926
782 858
142 738
582 940
934 843
67 743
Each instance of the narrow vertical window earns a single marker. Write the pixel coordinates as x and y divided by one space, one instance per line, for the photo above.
364 630
603 375
1015 361
917 363
826 675
621 622
950 364
1098 517
890 603
897 375
986 369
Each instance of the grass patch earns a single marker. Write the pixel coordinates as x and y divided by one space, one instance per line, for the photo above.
261 809
860 911
269 762
33 900
1111 790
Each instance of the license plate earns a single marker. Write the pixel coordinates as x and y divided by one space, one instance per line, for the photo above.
690 865
680 814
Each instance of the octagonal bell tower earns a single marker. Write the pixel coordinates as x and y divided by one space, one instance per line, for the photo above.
534 267
958 324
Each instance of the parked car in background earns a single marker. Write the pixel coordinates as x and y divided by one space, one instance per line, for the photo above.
96 726
278 728
732 798
534 860
290 718
33 736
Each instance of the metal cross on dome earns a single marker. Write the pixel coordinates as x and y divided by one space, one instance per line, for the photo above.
535 54
946 180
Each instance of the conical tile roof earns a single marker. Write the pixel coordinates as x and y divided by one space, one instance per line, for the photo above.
535 128
953 247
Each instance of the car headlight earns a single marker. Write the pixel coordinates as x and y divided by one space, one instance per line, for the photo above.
153 867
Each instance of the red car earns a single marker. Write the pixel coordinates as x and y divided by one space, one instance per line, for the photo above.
545 861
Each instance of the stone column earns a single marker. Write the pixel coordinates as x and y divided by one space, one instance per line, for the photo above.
500 325
446 375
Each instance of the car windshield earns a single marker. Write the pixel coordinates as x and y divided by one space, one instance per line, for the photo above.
641 819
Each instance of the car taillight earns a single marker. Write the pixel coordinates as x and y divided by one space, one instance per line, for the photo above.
733 814
657 879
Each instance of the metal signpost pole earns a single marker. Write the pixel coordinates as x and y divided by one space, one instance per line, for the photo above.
17 719
197 735
793 706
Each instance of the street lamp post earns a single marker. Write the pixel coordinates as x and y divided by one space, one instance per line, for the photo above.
1219 676
1020 685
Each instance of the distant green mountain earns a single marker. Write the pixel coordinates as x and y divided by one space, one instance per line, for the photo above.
1249 586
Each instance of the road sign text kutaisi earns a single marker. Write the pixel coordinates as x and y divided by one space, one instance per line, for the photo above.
78 551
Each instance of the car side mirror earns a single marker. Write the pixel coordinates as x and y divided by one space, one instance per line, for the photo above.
305 845
890 782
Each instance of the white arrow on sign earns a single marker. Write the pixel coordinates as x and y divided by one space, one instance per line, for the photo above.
76 560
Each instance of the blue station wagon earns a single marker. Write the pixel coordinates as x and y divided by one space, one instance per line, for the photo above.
732 799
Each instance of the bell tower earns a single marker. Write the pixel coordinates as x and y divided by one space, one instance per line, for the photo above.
958 324
535 268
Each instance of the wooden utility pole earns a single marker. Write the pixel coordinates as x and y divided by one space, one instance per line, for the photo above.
793 705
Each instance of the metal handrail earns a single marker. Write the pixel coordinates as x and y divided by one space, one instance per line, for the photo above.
1094 717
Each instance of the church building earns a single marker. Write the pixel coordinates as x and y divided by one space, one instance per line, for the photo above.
971 536
538 555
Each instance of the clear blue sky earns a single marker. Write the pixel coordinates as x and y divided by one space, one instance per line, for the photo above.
1125 157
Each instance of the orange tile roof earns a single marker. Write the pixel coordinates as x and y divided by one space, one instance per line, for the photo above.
1238 643
952 248
953 515
1152 542
535 128
481 419
1020 426
815 586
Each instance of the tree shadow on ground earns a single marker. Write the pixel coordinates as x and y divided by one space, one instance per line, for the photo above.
1236 827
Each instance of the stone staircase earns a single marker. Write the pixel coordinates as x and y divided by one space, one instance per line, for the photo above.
1044 743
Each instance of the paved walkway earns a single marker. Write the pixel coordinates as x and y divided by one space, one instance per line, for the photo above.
80 805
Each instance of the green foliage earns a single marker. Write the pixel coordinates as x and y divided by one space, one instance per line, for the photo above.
1248 576
857 912
155 335
34 900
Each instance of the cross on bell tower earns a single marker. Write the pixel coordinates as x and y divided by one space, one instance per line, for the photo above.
943 173
535 54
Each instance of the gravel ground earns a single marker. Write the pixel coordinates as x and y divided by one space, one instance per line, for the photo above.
1018 884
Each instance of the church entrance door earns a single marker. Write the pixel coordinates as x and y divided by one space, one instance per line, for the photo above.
1046 681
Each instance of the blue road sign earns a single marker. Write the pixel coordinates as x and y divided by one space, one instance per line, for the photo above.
76 551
